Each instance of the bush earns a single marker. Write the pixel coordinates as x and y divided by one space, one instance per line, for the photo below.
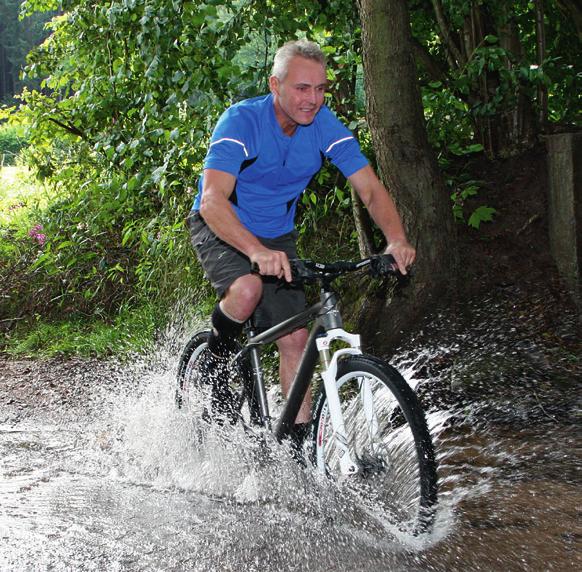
132 330
12 141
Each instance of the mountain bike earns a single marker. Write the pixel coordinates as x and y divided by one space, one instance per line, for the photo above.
369 431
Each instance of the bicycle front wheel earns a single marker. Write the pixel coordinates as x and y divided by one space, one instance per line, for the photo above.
389 441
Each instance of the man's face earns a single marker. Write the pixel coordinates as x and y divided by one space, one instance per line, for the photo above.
300 95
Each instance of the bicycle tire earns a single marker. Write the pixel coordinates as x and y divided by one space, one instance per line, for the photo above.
390 442
240 384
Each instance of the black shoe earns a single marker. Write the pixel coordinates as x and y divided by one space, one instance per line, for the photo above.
214 371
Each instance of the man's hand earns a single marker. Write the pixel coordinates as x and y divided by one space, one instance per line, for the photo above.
404 254
272 263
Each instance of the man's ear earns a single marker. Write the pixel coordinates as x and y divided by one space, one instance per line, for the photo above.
274 85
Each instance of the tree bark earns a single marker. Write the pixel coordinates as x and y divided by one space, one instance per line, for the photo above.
406 163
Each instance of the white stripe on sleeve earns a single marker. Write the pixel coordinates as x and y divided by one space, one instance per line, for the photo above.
337 142
232 141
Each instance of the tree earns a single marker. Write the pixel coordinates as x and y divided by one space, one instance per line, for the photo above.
17 38
513 65
405 160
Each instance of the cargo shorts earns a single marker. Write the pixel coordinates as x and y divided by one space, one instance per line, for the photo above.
223 264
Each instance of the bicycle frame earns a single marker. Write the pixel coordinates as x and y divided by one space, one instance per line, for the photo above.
327 328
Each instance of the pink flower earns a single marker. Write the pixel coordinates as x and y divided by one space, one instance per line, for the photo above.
35 234
12 208
35 230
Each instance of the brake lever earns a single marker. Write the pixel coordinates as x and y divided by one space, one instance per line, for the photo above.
385 265
300 272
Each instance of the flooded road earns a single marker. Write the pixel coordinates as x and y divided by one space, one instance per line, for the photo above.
103 473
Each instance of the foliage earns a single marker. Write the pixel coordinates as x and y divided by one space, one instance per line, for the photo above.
464 190
131 89
482 74
119 133
130 331
12 141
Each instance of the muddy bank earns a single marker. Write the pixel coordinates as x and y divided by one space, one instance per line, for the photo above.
38 386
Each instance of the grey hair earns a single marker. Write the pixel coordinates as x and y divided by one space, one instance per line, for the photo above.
304 48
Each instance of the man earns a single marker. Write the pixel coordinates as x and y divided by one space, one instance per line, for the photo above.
263 153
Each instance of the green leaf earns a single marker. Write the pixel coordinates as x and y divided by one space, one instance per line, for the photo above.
481 214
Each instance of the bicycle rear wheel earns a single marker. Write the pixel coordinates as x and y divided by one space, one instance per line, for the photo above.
388 439
195 393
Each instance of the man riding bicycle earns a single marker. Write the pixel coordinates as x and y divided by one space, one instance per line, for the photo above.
263 153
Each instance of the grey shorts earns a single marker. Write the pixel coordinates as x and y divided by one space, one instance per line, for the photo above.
223 264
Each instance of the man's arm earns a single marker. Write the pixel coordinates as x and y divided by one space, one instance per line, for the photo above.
219 215
383 211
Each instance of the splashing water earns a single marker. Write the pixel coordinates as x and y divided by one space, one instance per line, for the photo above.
119 479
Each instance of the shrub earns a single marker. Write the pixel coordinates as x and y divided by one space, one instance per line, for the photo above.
12 141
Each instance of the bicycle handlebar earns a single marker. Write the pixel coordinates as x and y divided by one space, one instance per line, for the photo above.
305 270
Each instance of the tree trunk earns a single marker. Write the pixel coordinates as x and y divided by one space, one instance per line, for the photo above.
406 164
363 226
541 56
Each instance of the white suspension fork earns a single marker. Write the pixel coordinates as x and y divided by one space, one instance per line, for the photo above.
329 374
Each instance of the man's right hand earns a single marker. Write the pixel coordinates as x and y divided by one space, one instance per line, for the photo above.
272 263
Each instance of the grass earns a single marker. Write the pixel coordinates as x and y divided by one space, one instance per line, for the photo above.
132 330
19 194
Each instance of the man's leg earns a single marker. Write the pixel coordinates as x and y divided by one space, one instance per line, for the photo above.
228 318
291 349
242 297
236 306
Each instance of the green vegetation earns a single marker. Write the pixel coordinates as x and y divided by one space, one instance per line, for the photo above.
12 142
93 250
128 331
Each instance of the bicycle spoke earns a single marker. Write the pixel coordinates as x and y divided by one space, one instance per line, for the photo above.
385 434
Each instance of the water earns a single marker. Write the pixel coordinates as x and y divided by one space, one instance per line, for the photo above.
103 473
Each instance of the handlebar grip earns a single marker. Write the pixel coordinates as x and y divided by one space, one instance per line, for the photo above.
383 265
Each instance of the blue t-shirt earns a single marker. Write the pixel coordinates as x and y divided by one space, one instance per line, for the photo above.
273 169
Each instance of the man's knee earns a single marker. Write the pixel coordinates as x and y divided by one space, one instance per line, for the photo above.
242 296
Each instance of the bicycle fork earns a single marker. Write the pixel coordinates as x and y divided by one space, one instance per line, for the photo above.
329 363
332 323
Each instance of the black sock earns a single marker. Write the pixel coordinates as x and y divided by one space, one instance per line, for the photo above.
225 332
